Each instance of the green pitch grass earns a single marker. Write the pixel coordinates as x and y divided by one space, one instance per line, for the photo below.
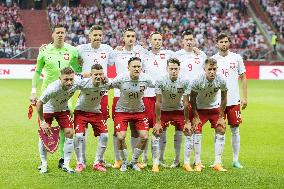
262 149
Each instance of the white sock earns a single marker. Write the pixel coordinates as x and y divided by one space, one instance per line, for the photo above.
177 144
136 155
116 153
197 147
219 148
145 153
133 142
155 150
78 141
162 143
235 142
68 146
84 146
102 144
123 155
188 145
42 153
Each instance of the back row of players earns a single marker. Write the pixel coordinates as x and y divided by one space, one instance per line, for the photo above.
150 99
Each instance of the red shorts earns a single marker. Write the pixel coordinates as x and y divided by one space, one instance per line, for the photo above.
104 107
81 120
149 103
233 114
122 119
176 118
64 119
205 115
114 102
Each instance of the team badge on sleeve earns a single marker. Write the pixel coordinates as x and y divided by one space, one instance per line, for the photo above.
50 142
103 55
142 88
66 56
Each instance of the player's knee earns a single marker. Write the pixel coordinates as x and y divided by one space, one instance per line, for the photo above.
120 136
104 137
68 133
220 130
80 136
143 141
134 133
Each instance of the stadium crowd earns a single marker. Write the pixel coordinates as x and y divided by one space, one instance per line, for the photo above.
206 18
12 37
275 10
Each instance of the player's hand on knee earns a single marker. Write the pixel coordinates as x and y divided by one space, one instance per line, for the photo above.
195 122
187 130
45 127
244 104
157 129
221 122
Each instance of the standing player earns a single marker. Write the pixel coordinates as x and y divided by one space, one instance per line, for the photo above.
130 108
52 59
88 110
206 107
53 104
155 65
90 54
191 65
231 65
171 90
120 59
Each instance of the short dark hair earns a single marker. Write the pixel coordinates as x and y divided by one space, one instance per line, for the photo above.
173 61
66 71
57 26
187 32
129 29
96 27
222 36
210 61
96 67
133 58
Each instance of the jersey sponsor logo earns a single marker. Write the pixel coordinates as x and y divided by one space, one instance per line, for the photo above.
103 55
66 56
162 56
216 89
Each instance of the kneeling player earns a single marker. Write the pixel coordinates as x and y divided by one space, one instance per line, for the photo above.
130 108
170 90
88 110
53 103
204 100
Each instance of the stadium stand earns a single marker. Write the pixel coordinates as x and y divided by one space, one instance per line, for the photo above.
275 10
12 37
206 18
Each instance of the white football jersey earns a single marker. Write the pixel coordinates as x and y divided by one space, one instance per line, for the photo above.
131 92
172 92
90 96
231 67
93 56
120 60
191 64
208 91
155 65
55 99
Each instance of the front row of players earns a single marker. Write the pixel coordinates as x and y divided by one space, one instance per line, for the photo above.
172 106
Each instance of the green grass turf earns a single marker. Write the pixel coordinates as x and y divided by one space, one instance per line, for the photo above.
262 149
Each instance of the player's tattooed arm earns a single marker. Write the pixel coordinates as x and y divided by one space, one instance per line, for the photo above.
157 129
187 124
244 101
44 126
221 120
196 121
